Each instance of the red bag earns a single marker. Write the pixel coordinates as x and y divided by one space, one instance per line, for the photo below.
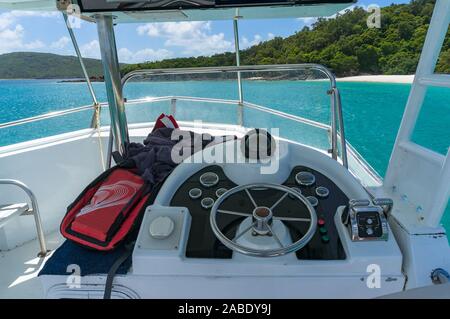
107 210
165 121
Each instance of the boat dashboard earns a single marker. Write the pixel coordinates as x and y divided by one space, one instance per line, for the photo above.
221 216
200 191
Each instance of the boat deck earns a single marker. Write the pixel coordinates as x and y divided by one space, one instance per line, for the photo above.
20 267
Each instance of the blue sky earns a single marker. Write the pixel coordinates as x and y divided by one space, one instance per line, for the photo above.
45 32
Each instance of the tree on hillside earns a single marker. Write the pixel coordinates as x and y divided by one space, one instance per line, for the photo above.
344 43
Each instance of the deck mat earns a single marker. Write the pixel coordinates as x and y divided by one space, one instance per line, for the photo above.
90 261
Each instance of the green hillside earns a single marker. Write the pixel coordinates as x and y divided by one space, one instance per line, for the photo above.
344 44
31 65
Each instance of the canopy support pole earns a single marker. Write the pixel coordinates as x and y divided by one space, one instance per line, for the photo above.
238 63
80 59
113 83
95 120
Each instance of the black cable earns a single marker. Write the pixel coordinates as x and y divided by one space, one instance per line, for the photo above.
113 270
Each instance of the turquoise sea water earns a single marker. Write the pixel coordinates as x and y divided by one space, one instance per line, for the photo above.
372 111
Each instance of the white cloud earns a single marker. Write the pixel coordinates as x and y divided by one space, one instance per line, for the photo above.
195 38
245 43
311 20
12 39
351 8
60 44
12 34
91 50
308 21
36 44
42 14
6 20
270 36
128 56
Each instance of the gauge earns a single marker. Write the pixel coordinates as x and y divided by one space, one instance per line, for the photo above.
220 191
195 193
305 178
209 179
207 202
322 192
313 201
298 190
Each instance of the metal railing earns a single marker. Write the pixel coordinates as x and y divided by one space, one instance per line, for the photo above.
34 211
49 115
336 106
335 98
173 99
173 106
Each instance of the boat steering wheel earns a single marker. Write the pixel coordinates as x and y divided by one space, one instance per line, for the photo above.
262 220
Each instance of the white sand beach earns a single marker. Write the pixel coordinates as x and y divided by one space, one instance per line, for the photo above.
405 79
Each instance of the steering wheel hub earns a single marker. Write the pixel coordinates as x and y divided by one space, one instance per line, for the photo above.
262 220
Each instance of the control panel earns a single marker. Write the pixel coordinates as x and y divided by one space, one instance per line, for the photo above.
200 191
365 221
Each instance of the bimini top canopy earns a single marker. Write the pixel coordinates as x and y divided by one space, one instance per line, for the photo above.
189 10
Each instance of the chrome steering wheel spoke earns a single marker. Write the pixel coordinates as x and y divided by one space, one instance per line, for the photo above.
279 201
251 197
274 236
292 219
229 212
243 232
